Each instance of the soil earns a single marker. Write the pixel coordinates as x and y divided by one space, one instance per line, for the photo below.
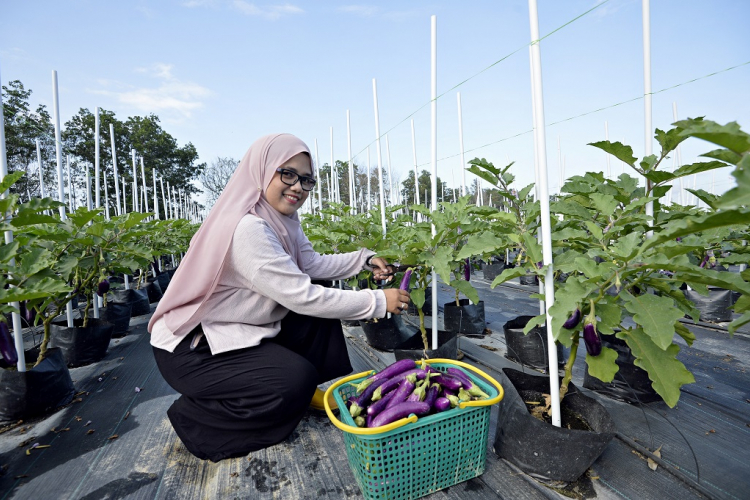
568 418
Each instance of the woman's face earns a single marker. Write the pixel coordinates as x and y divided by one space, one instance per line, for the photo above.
288 199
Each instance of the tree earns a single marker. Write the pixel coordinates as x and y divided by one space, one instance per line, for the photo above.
22 129
215 177
425 189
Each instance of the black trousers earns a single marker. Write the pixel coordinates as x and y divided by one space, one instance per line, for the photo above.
241 401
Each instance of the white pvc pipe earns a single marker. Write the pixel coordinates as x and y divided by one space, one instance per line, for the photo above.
320 179
647 97
88 189
369 182
106 195
71 195
351 166
377 147
549 285
97 186
15 317
124 196
114 167
433 163
144 197
156 197
414 156
390 174
58 156
606 137
678 157
461 145
41 176
334 173
536 160
135 183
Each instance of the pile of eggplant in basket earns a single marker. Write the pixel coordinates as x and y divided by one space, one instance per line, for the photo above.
402 388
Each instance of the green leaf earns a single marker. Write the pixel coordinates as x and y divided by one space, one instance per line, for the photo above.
706 197
539 320
656 315
739 322
729 136
480 244
417 297
618 150
570 208
666 372
724 155
588 267
595 230
29 218
627 245
34 261
9 180
604 203
697 168
467 289
8 251
441 261
738 196
508 274
41 289
697 224
648 163
610 316
669 140
683 332
603 366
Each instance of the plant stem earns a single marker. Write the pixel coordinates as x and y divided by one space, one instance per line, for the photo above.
569 367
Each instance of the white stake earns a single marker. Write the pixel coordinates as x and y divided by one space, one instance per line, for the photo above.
15 317
369 182
60 189
156 197
414 156
135 183
71 193
334 173
41 176
647 98
544 205
351 166
88 189
124 196
390 175
606 137
114 168
164 199
97 186
106 194
433 162
144 197
377 147
461 145
320 179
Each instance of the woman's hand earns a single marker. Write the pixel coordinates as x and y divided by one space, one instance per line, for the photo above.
380 269
396 300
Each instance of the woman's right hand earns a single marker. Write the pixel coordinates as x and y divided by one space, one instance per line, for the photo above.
397 300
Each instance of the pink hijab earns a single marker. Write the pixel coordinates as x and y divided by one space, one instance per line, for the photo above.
198 273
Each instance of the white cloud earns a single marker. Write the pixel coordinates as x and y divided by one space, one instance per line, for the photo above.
359 10
171 96
199 3
272 12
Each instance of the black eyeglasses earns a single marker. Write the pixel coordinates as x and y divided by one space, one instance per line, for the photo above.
290 178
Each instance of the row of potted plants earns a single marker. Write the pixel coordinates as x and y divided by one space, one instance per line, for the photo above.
54 263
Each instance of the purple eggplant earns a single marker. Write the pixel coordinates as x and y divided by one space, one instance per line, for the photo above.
442 404
399 411
420 391
448 381
28 313
432 394
467 270
386 373
394 382
358 403
403 392
468 384
7 347
102 288
573 320
591 339
375 408
405 280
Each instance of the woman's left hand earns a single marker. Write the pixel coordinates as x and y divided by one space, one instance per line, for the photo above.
381 270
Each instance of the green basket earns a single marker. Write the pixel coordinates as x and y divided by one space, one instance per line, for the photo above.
422 457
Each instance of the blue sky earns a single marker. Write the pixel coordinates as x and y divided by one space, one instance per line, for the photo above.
220 73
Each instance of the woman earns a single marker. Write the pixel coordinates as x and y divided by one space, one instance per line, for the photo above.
242 333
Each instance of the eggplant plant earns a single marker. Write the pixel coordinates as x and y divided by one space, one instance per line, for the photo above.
625 266
460 234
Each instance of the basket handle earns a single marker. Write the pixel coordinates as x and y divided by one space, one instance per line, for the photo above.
361 430
481 402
